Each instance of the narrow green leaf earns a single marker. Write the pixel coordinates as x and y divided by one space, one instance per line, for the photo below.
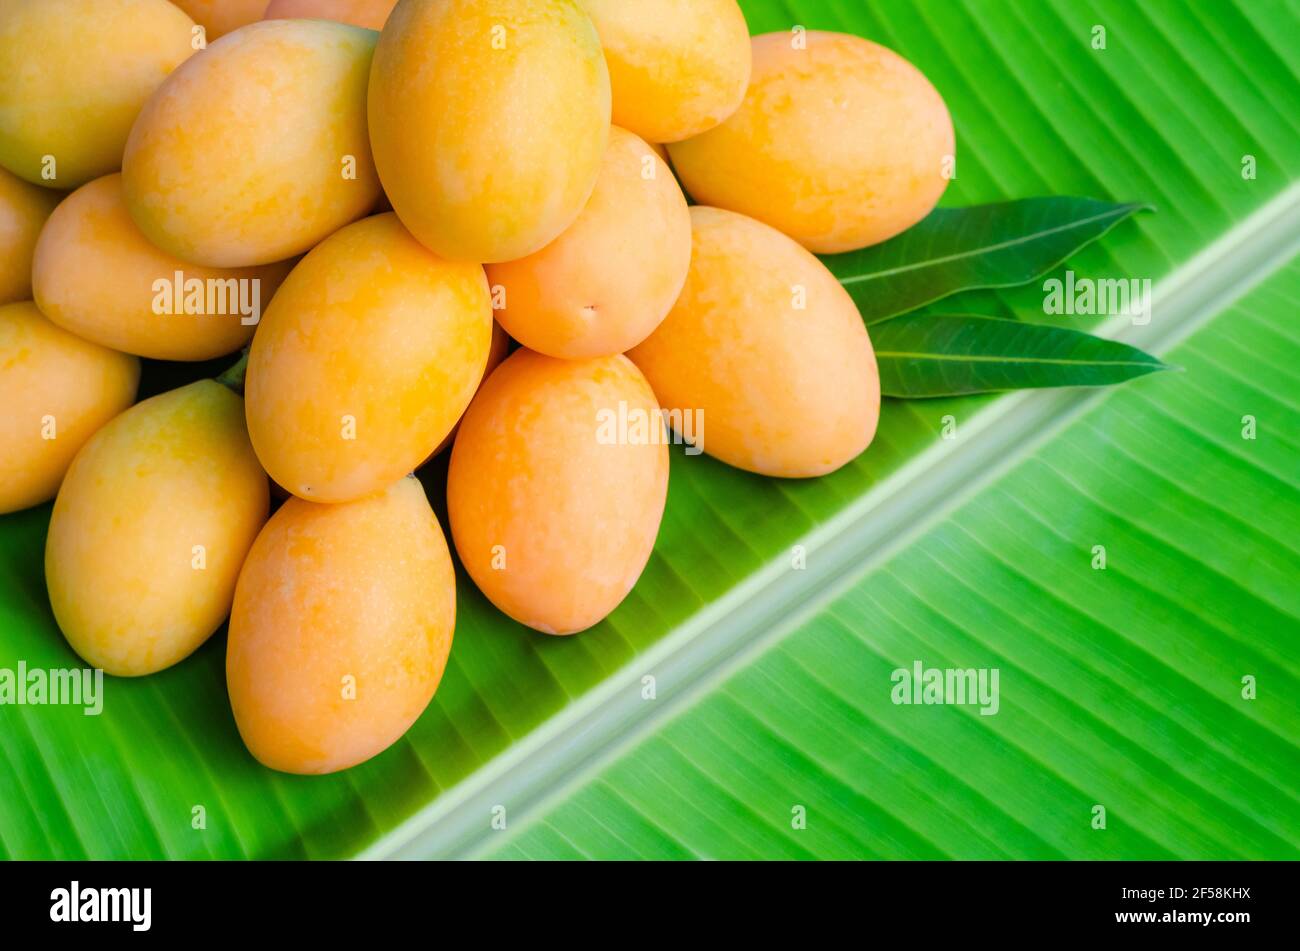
926 355
962 249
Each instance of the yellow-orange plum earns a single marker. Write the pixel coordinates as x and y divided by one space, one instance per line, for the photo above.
556 487
604 284
488 122
96 275
840 143
497 351
767 345
219 17
75 75
368 13
256 150
676 67
150 528
342 623
23 210
364 361
56 390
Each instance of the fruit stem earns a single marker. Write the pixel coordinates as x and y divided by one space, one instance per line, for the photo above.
234 377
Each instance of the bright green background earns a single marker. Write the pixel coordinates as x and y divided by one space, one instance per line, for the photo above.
1119 687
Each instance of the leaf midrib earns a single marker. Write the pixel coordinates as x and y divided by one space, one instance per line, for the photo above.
979 358
999 246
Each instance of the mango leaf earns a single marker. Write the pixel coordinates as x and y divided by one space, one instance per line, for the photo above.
962 249
925 355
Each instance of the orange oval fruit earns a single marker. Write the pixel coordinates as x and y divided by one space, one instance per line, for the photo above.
150 528
603 285
768 347
488 122
56 390
840 143
554 506
96 275
341 627
368 355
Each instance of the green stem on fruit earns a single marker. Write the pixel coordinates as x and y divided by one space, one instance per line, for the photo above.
234 377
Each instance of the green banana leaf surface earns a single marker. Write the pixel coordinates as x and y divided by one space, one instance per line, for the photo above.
704 714
1120 686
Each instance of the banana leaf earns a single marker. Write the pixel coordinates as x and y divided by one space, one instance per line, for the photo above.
1117 686
1124 579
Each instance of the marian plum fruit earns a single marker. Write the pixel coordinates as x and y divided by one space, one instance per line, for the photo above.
676 67
488 122
364 361
554 504
840 143
150 528
23 210
256 150
96 275
604 284
73 77
56 390
341 628
219 17
368 13
767 345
